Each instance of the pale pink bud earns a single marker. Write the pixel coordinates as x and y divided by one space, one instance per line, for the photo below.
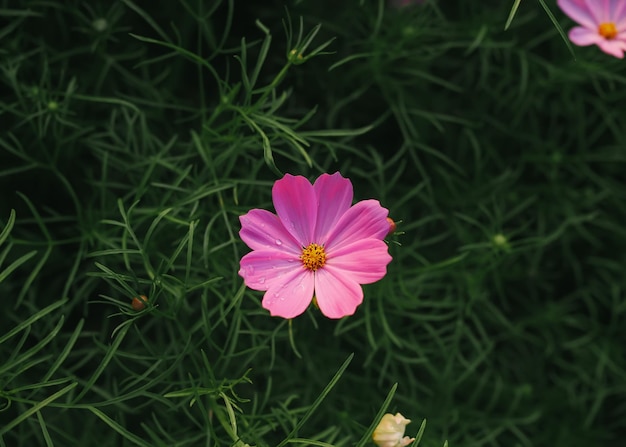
390 431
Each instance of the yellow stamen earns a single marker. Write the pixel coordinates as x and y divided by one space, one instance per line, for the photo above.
313 257
607 30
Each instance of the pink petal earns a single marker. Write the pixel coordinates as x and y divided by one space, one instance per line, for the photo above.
291 296
262 269
618 14
583 37
613 11
613 47
599 10
578 11
365 220
337 295
296 205
334 197
262 230
364 261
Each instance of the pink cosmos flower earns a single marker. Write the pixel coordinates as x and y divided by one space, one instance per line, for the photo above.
603 24
316 244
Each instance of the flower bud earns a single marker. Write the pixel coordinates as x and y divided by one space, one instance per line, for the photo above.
295 57
392 226
139 303
390 431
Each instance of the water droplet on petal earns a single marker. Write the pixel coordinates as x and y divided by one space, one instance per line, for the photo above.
278 242
261 280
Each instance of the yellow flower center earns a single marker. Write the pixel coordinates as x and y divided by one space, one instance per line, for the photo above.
313 257
607 30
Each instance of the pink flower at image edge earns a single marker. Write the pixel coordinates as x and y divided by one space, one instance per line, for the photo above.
317 244
602 23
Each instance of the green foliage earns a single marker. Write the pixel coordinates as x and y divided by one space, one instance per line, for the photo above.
134 136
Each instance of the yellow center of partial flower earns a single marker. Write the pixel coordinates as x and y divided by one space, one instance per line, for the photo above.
313 257
607 30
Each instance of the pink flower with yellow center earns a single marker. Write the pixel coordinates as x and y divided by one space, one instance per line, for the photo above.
603 23
317 244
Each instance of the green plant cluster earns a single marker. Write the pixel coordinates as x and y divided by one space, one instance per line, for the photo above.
134 134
